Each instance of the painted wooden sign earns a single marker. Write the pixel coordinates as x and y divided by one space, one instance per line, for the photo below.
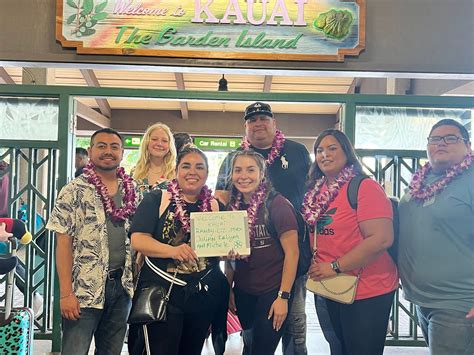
309 30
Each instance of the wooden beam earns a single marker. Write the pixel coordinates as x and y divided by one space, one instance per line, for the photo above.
91 80
5 77
355 83
92 115
184 105
267 84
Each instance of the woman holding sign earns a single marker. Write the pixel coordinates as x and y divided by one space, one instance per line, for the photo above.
161 231
262 282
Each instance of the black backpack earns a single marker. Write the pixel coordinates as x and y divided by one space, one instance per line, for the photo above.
352 193
304 260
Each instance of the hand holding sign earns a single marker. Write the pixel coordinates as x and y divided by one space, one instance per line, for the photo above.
217 233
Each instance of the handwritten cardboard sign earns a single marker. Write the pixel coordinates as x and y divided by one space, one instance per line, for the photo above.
216 233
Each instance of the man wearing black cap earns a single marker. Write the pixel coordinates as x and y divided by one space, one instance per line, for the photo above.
288 165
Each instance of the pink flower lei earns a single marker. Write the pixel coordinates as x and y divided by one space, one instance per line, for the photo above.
128 207
316 203
205 198
256 201
422 193
277 145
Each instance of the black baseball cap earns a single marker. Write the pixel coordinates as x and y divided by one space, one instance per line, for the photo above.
258 108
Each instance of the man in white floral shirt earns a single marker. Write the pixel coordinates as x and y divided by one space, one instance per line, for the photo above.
90 219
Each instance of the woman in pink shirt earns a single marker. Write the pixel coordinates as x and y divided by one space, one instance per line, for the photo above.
353 242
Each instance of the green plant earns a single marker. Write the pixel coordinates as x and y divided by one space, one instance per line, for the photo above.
86 16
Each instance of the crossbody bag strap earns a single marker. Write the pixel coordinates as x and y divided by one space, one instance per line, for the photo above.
163 274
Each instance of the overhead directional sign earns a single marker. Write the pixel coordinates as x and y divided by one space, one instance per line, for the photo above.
132 141
217 143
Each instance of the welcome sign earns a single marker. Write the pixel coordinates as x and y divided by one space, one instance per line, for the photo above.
310 30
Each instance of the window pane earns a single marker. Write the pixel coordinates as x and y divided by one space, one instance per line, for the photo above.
34 119
401 128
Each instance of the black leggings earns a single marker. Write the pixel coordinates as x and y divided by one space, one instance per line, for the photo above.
187 320
361 327
253 315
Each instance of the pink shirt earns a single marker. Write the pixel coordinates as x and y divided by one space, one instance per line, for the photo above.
338 233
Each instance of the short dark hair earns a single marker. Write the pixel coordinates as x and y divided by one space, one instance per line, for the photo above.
108 131
181 139
188 150
315 173
451 122
82 152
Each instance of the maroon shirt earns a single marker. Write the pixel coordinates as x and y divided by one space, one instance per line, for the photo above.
262 271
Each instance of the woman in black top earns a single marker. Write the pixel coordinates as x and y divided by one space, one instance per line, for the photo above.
161 231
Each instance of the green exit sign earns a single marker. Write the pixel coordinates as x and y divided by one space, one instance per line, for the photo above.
208 143
132 141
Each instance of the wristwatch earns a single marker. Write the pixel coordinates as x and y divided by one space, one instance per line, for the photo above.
284 295
335 266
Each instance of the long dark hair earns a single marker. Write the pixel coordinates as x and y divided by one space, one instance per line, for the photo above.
315 173
260 161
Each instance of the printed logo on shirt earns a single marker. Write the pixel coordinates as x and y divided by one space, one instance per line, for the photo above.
324 221
262 238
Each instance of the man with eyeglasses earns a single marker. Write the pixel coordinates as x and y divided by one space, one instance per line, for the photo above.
436 251
90 218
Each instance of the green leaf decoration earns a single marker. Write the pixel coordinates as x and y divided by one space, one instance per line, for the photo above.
87 7
72 4
334 23
332 210
99 16
88 32
100 7
71 19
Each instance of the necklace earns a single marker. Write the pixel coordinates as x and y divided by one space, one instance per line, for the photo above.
277 145
128 208
316 203
422 193
204 201
256 201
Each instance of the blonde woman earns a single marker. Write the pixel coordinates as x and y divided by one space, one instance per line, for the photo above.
155 168
157 160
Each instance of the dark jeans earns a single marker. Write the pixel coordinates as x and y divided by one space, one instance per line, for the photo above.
188 319
107 325
259 336
361 327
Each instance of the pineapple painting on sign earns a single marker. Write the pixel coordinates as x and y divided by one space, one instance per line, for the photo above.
309 30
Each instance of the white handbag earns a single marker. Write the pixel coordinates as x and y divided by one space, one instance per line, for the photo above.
341 288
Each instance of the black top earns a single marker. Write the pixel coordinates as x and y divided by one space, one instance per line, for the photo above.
288 173
166 229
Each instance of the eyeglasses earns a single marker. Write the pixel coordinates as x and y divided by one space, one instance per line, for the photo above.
448 139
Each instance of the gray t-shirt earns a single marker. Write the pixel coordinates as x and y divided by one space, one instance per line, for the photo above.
436 251
116 235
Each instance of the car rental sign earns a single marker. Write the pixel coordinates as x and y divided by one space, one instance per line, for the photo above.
309 30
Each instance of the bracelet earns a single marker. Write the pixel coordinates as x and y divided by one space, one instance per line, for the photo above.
62 297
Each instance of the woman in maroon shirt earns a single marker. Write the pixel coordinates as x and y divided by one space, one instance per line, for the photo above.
262 282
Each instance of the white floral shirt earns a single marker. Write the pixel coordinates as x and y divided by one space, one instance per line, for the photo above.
79 213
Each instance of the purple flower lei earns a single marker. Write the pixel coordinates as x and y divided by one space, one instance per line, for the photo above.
129 206
316 203
422 193
277 145
256 201
205 198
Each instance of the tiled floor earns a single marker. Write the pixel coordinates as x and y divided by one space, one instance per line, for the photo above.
315 341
